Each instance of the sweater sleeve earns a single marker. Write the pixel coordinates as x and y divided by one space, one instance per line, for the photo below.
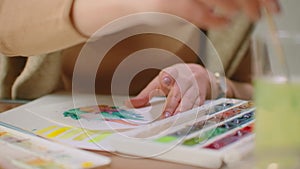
32 27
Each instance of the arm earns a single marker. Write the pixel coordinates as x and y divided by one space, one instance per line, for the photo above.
33 27
86 12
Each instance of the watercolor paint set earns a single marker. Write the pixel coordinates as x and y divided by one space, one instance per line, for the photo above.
216 133
23 150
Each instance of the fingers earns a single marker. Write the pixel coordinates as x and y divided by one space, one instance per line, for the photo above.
190 100
172 102
187 102
271 5
167 78
143 98
229 8
186 91
251 8
159 86
137 102
185 87
181 98
207 18
178 87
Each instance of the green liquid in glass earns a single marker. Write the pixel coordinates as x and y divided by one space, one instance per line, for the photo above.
277 124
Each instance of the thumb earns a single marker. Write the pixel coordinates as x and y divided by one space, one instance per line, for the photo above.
137 102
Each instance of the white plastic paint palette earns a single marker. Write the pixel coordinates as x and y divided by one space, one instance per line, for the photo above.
20 150
222 134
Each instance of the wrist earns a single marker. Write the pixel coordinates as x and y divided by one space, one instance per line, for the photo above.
221 85
229 92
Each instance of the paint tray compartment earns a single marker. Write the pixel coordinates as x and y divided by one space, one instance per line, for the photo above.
218 132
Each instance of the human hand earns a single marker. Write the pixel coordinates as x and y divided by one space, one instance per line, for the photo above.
185 85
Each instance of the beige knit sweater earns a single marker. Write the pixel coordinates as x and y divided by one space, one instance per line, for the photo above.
40 74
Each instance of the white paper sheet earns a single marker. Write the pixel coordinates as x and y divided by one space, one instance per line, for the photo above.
44 117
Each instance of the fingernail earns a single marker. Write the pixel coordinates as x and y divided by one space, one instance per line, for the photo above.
167 114
167 81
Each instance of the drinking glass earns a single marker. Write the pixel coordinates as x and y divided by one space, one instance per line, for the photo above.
277 99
